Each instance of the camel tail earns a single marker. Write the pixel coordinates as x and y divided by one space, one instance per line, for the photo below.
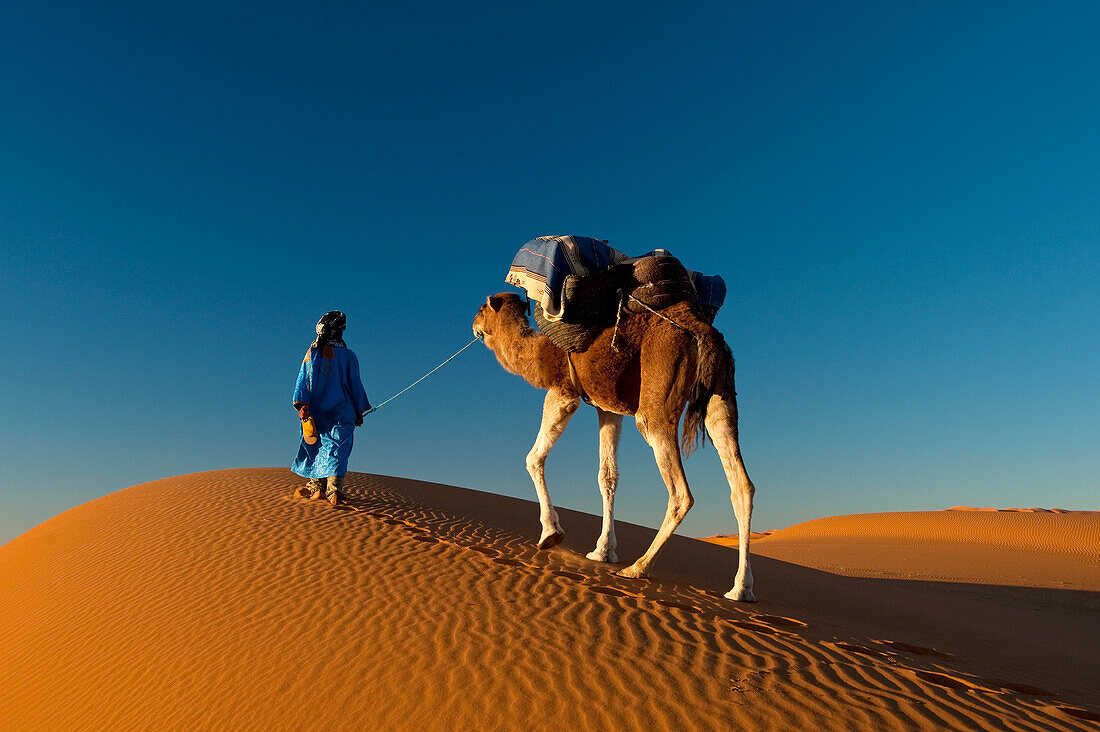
713 374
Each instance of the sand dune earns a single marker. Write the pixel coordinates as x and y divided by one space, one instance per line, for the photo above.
1018 547
215 600
1065 532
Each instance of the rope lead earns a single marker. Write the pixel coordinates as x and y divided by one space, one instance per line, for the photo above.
375 409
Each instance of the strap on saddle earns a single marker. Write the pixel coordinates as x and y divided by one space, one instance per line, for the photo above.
575 380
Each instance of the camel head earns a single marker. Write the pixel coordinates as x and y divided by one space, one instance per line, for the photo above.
507 307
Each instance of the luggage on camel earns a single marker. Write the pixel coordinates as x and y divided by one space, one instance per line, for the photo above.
577 285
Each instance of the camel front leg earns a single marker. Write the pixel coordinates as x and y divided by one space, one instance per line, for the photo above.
721 423
662 438
611 428
556 411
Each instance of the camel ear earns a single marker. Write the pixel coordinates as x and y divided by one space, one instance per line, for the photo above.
496 302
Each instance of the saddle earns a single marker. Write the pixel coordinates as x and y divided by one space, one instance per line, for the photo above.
592 303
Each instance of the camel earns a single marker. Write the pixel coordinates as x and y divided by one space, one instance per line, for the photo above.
651 366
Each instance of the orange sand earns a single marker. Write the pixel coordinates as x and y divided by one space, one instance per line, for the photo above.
215 600
1018 547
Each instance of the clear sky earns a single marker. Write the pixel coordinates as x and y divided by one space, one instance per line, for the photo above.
903 198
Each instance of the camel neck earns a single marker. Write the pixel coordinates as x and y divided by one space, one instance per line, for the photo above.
528 353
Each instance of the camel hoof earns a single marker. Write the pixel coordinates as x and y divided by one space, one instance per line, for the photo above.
632 572
607 556
551 540
744 595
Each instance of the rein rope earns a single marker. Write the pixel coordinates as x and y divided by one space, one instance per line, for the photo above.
375 409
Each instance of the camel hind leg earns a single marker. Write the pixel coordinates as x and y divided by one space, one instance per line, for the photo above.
611 428
556 411
721 424
666 449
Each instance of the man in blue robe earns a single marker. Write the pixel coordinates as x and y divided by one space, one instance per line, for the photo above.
330 391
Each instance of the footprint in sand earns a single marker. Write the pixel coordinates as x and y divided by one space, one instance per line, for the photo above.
917 650
950 682
487 551
511 562
681 606
1080 713
953 682
569 575
425 539
393 522
1025 689
611 591
778 620
862 650
755 627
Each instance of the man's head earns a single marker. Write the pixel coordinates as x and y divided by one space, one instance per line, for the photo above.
331 326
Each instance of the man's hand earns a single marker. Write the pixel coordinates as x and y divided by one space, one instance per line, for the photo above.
303 412
359 421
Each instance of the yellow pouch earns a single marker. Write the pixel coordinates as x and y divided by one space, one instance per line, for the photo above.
309 431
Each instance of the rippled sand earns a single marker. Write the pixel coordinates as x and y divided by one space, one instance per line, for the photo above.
216 600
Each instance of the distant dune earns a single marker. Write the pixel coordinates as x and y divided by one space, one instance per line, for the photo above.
1033 547
217 601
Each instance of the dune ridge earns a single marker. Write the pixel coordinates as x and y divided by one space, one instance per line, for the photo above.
216 600
1076 533
1019 510
1017 547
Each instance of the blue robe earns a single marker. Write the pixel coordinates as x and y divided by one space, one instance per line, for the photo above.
329 382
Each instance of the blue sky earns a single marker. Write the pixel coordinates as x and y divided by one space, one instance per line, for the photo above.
903 198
